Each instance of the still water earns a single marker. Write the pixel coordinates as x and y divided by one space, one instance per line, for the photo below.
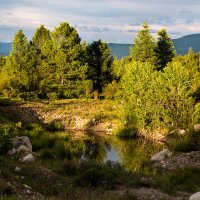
132 154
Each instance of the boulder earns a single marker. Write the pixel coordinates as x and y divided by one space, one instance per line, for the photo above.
23 149
195 196
181 131
17 169
161 155
11 152
17 142
23 140
197 127
28 158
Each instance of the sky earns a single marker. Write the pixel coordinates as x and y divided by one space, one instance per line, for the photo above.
116 21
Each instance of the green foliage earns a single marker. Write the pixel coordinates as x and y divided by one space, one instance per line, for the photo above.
164 50
70 65
56 125
20 69
112 91
190 141
196 116
7 131
92 174
181 180
144 45
158 100
100 63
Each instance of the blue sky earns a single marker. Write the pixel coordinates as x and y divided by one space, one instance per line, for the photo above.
111 20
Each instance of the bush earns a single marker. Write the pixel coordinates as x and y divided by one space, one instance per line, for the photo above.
189 142
7 131
46 153
112 91
52 96
127 132
181 180
60 151
94 174
56 125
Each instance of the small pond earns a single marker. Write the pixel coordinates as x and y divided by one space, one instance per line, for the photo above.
132 154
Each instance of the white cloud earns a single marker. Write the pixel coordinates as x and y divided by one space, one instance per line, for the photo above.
111 20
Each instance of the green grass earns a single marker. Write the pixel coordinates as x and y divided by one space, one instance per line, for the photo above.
186 143
6 101
186 180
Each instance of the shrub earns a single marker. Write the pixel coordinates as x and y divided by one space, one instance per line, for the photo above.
127 132
181 180
46 153
7 131
56 125
94 174
189 142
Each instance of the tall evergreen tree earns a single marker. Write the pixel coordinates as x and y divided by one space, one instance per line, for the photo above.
164 50
46 69
100 62
20 68
70 65
41 37
144 45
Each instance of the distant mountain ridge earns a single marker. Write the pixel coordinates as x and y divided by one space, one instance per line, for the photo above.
5 48
181 46
121 50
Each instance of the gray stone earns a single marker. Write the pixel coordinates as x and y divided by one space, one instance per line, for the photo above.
161 155
28 158
181 131
27 187
195 196
17 169
11 152
27 142
16 142
197 127
24 149
23 140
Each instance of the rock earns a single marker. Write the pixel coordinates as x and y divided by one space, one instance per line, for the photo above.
27 187
17 142
197 127
17 169
80 123
23 140
28 158
195 196
181 131
161 155
11 152
9 184
24 149
27 142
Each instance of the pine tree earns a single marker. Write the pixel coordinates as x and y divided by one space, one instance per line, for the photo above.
100 62
41 37
20 68
164 50
70 66
46 69
144 45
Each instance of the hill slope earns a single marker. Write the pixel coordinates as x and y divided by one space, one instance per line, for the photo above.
181 45
121 50
5 48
